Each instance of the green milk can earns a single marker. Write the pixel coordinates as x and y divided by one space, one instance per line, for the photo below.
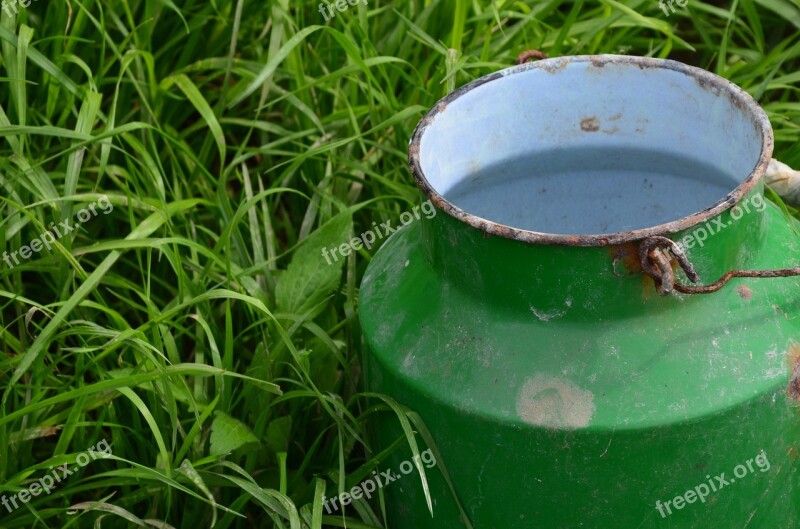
600 326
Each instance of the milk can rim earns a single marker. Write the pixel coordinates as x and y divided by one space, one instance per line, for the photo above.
703 77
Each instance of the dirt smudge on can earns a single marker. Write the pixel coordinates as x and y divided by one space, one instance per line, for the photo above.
554 402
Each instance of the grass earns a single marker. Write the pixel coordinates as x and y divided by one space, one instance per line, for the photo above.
194 327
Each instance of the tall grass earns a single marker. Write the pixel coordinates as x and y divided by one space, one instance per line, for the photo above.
195 327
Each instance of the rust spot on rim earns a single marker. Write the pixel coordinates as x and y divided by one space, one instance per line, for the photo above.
598 61
555 65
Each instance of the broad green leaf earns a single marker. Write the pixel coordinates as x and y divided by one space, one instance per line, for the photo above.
229 434
316 267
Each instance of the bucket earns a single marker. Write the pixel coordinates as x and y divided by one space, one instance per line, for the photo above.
572 325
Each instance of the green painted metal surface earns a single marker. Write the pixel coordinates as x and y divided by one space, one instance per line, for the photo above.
563 392
608 400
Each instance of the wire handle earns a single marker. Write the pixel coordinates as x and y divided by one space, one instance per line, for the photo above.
656 263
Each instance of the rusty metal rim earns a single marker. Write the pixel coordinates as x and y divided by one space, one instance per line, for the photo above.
738 96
